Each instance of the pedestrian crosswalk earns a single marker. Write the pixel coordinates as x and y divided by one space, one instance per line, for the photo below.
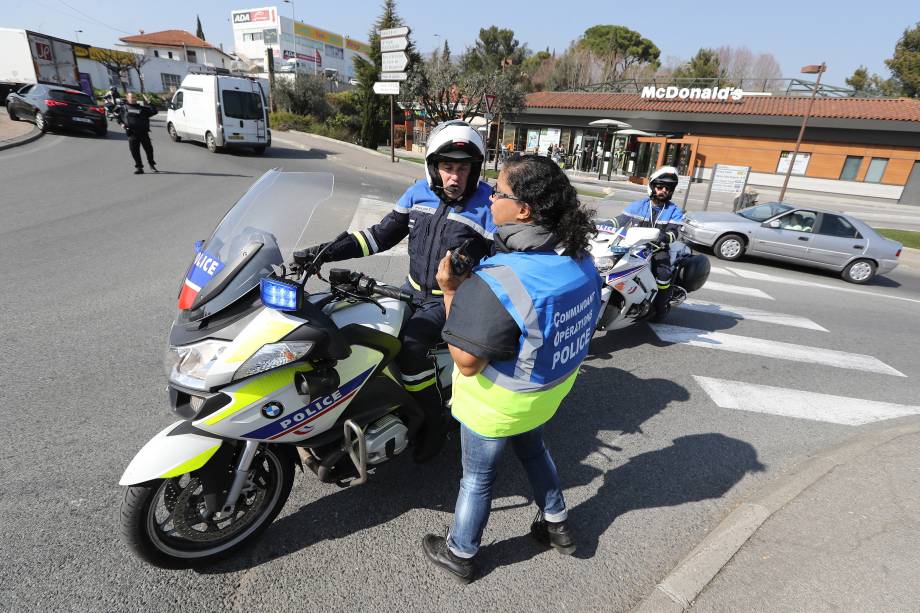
761 397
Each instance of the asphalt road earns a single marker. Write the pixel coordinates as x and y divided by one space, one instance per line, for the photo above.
649 450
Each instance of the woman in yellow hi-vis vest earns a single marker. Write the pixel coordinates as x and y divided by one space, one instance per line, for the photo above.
518 328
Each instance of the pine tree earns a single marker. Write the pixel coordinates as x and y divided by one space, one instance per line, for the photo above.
199 32
905 64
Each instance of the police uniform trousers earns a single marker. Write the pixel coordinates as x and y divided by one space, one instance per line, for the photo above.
136 140
661 268
419 373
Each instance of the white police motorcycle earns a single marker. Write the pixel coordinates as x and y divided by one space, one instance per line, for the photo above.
264 376
623 257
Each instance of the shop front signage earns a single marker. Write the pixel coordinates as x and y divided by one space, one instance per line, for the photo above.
672 92
251 16
800 166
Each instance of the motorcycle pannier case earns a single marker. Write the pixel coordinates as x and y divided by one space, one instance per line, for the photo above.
693 272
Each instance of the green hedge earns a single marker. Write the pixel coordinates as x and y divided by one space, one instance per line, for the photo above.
283 121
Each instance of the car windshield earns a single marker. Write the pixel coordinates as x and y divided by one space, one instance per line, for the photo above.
242 105
763 212
74 97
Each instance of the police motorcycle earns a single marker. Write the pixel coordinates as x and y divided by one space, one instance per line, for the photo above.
623 258
264 376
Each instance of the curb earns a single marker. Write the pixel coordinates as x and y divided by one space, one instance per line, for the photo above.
32 135
377 173
339 142
677 591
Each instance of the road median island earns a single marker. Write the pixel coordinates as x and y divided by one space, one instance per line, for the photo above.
15 133
678 590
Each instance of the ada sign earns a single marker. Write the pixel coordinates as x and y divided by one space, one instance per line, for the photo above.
693 93
387 88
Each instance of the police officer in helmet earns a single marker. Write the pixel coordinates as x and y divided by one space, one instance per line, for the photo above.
657 211
448 209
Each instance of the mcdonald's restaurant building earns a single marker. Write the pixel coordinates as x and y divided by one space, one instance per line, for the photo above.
868 147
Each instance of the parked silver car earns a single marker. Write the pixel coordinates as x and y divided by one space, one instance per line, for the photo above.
802 235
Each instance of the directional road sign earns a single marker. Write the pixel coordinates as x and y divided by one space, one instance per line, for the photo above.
394 44
394 76
393 32
386 88
395 62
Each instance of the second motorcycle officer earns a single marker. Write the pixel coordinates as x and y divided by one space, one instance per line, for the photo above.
438 214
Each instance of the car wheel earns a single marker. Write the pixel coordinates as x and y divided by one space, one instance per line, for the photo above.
859 271
173 135
211 143
729 247
12 113
101 132
40 122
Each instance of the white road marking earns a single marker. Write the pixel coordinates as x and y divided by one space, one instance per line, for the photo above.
753 292
760 276
722 271
736 312
772 349
799 404
369 212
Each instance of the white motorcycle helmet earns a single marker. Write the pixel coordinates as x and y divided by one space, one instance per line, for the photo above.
454 141
666 175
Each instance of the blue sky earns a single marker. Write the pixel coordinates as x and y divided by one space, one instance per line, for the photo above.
843 33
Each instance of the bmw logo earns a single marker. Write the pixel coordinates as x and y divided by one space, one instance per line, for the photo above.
272 410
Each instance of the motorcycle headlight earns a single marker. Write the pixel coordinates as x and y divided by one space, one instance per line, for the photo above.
604 264
188 365
272 356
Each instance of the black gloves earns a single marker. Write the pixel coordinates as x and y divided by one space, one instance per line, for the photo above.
309 254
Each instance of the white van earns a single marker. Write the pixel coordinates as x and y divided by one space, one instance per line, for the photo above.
220 111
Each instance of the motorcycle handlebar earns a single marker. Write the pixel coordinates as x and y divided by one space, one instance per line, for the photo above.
364 285
393 292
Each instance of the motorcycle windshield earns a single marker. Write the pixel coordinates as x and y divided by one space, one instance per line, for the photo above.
262 230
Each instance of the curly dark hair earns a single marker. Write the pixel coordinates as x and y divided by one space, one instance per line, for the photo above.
539 182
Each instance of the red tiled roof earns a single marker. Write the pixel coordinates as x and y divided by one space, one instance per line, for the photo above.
894 109
168 38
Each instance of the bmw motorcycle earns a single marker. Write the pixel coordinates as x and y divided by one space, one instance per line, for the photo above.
623 257
266 375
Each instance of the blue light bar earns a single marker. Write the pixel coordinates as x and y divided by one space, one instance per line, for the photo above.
279 295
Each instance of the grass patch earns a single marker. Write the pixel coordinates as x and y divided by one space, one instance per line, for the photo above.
409 159
284 121
590 192
905 237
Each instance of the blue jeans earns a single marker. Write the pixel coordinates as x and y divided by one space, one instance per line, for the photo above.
480 455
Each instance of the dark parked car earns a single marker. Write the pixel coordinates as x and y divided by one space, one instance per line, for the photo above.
809 236
50 106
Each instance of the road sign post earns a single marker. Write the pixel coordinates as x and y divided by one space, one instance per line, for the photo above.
393 63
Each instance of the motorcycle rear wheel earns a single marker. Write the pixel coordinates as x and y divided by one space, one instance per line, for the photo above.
162 524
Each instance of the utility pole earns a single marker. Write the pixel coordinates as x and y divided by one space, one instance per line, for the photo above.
811 69
270 68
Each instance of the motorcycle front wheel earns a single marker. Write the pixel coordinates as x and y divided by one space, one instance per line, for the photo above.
165 523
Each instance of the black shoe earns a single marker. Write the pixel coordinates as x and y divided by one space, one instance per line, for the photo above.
138 171
435 547
557 535
153 167
429 444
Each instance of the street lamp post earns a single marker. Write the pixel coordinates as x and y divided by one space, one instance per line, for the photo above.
810 69
77 34
291 2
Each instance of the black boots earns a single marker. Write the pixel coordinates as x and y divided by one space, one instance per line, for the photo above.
430 440
557 535
435 547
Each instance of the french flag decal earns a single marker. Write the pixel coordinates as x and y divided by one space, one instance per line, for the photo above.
199 274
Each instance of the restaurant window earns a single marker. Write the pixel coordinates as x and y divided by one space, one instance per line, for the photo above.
876 170
850 168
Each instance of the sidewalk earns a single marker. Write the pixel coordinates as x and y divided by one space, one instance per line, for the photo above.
840 533
13 133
